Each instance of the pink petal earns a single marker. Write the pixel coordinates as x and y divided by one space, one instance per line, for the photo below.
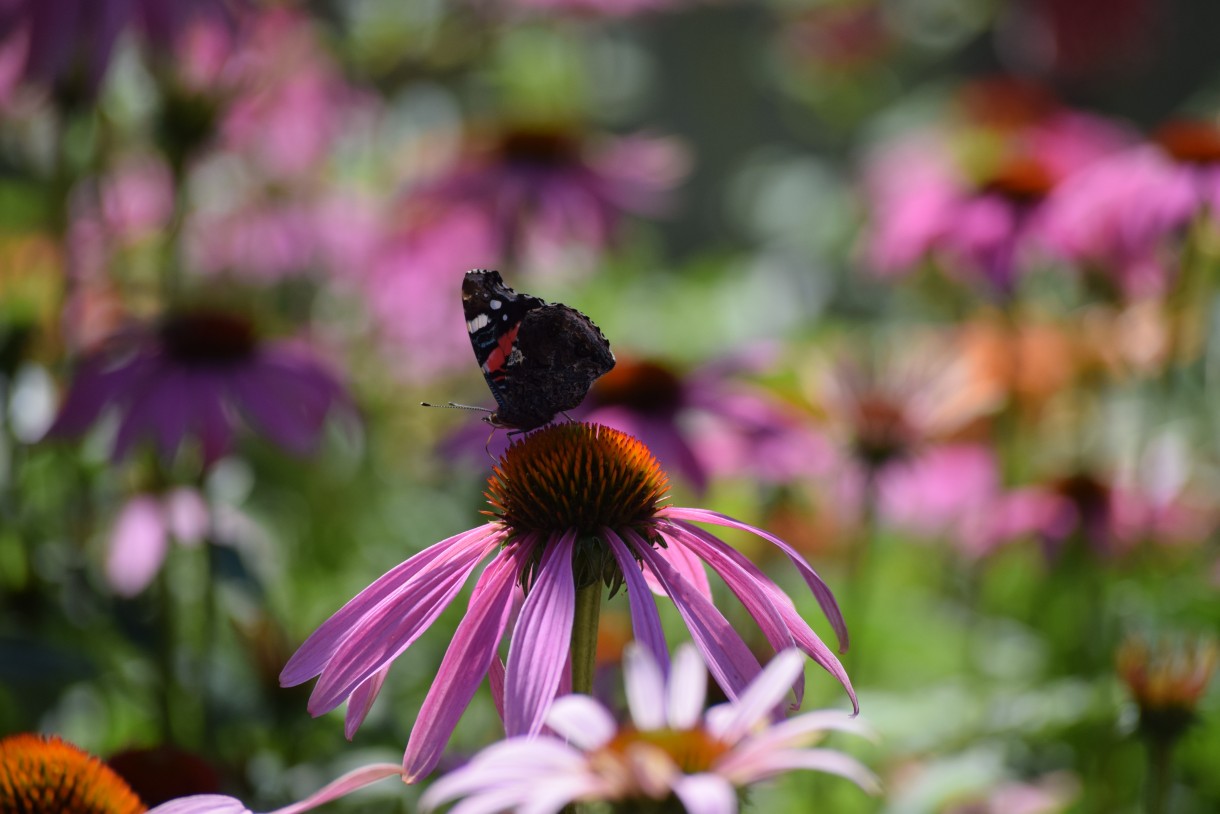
753 596
764 766
645 621
541 640
361 702
312 656
825 598
465 662
797 627
382 634
727 656
137 546
202 804
762 696
686 692
356 779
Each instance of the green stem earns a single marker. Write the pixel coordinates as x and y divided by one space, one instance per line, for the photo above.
584 652
584 637
1159 782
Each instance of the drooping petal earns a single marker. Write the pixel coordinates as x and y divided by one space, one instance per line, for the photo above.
541 640
687 689
389 628
495 680
356 779
745 587
645 686
361 702
727 656
802 634
645 621
582 721
706 794
819 588
465 662
685 563
312 656
138 546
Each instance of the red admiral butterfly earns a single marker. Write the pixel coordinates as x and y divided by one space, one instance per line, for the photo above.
538 358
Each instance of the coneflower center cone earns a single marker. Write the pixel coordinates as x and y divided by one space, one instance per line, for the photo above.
42 774
576 476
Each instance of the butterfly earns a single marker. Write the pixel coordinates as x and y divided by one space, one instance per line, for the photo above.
539 358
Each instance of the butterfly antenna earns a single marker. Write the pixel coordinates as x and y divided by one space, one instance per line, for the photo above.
455 406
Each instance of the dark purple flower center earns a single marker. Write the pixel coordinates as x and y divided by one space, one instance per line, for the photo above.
539 147
883 433
1091 499
208 337
640 385
1190 142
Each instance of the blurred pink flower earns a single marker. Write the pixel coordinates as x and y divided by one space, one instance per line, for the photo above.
345 785
198 376
289 102
140 537
670 752
543 192
709 421
575 505
1124 217
953 492
70 42
411 292
970 195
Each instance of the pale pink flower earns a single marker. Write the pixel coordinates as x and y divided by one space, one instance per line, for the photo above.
672 750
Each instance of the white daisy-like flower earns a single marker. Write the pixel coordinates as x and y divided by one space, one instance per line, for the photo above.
670 754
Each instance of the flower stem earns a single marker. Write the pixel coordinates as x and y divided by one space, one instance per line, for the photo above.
584 637
1159 781
584 652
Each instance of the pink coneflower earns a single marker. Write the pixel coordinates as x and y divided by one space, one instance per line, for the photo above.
72 41
670 752
199 375
969 197
1123 218
221 804
542 192
575 506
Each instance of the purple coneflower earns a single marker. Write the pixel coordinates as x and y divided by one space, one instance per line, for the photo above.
542 191
199 375
574 506
671 751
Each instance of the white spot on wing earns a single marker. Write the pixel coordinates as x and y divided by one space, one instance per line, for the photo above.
495 305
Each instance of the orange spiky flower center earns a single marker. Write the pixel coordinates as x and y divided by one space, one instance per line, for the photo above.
576 476
41 774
